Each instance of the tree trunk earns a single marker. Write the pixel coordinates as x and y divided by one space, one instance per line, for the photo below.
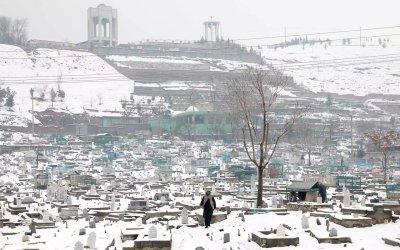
309 158
384 170
260 186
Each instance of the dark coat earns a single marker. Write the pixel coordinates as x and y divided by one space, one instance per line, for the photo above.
210 203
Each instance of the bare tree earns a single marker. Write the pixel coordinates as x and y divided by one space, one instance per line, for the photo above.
254 97
13 31
383 142
309 138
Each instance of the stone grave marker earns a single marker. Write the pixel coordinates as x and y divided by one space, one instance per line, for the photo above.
78 246
280 231
46 216
304 222
319 200
69 201
346 199
32 227
274 202
19 203
333 232
152 232
91 240
82 231
227 237
92 224
363 202
184 216
327 225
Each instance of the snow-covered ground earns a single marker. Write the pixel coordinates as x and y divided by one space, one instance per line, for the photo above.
86 79
320 68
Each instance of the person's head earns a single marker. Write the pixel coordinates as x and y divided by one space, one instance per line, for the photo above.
208 192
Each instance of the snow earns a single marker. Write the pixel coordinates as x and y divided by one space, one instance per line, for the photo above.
85 78
172 60
367 70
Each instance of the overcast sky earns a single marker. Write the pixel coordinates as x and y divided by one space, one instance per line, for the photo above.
65 20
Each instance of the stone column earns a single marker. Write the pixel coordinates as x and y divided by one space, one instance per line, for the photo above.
217 35
110 32
212 29
206 31
115 29
99 29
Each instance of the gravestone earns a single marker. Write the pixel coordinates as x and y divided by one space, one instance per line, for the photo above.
184 216
69 201
197 192
346 198
318 222
96 219
245 205
112 206
85 213
25 238
92 224
333 232
280 231
91 240
32 227
82 231
162 199
121 216
274 202
226 237
355 215
78 246
231 200
280 200
304 222
327 225
93 190
152 232
228 210
19 203
319 199
241 215
46 216
363 202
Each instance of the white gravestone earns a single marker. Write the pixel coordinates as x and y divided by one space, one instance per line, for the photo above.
274 202
184 216
78 246
46 216
93 190
304 222
346 199
152 232
91 240
19 203
363 202
280 231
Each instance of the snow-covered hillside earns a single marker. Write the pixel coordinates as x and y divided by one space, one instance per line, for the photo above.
86 79
372 69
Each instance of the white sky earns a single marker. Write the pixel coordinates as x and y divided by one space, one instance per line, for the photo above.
65 20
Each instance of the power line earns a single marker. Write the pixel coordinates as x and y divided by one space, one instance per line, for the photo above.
316 33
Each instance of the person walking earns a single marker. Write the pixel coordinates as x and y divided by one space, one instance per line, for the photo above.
208 204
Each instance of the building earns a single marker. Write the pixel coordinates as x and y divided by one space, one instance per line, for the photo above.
102 26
